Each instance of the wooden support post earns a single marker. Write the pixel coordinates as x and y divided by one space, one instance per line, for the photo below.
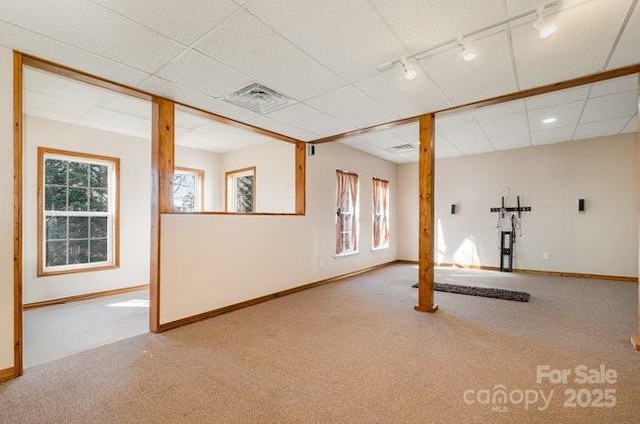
635 340
301 160
17 214
162 163
426 220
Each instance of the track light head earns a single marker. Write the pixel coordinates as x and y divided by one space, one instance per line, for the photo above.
468 54
545 29
409 72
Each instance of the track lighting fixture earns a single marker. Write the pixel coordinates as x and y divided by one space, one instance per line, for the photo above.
468 54
545 29
409 72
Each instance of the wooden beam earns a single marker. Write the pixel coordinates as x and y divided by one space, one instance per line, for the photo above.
301 172
635 340
162 165
17 214
426 220
549 88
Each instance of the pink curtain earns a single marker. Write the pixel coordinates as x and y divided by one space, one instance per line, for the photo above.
341 191
353 236
380 210
347 186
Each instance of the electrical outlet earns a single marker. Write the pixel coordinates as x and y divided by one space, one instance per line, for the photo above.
546 256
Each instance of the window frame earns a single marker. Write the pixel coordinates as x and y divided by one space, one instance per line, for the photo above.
379 183
229 193
354 213
113 213
199 174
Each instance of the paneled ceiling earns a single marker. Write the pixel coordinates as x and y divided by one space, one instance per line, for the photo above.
325 54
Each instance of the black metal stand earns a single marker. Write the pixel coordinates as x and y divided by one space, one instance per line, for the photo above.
507 239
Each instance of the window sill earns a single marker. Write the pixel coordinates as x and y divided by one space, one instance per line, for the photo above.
373 249
49 273
342 255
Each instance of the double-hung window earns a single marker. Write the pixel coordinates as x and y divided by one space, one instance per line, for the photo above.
241 188
346 212
77 212
188 189
380 217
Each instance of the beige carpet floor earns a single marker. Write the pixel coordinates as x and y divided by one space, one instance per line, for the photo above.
355 351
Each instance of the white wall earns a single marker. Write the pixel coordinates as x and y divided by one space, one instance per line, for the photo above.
211 261
209 162
135 208
275 174
550 179
6 209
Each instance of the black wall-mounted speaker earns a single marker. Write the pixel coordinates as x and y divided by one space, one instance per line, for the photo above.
453 209
581 205
311 150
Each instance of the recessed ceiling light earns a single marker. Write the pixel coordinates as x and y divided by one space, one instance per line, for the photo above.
549 120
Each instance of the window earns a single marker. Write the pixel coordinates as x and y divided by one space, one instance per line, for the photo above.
380 213
241 186
346 212
188 195
77 212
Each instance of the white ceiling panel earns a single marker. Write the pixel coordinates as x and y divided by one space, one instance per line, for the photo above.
517 6
499 110
115 128
613 86
302 116
347 36
505 125
452 120
459 79
555 135
444 149
48 114
189 121
409 132
127 104
119 120
557 98
64 88
184 21
423 23
627 51
198 72
384 139
512 141
91 27
580 46
231 133
280 128
408 157
632 125
612 106
248 45
600 129
353 106
467 137
566 115
41 46
401 97
55 104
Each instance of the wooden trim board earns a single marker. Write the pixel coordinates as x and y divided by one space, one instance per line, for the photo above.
635 341
7 374
261 299
81 297
17 213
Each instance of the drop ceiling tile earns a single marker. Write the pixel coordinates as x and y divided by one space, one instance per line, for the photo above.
515 7
46 48
488 75
57 86
444 149
190 97
126 104
352 106
453 120
383 139
402 97
349 37
557 98
467 137
505 125
48 114
587 32
119 129
408 132
512 141
627 52
89 26
309 119
284 129
613 86
233 134
246 44
189 121
611 106
566 115
200 73
499 110
184 21
119 121
421 24
555 135
55 104
632 125
409 157
600 128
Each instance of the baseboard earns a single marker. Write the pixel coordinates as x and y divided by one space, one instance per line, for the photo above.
7 374
635 341
80 297
237 306
405 261
549 273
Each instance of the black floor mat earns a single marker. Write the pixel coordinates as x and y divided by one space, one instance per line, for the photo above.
491 292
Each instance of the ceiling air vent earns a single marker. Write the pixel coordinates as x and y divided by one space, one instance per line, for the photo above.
402 148
258 98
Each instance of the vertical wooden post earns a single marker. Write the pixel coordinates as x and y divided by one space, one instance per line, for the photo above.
301 160
426 220
162 163
635 339
17 214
